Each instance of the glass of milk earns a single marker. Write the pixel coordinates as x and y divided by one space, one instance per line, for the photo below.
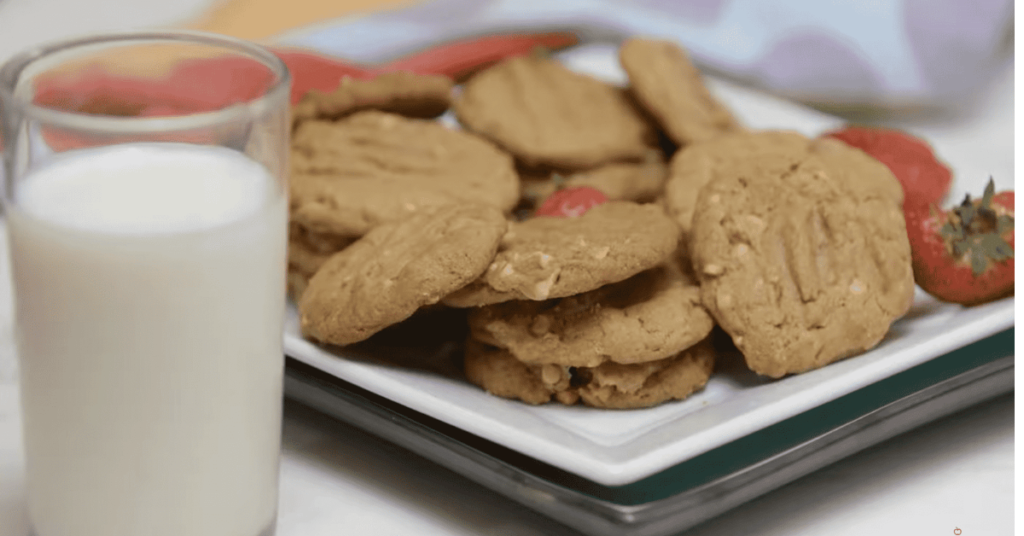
146 205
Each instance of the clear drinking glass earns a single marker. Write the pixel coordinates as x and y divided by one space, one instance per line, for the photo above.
146 207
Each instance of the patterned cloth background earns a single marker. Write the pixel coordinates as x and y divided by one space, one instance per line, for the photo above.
890 53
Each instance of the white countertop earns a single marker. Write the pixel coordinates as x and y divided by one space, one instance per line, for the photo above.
335 479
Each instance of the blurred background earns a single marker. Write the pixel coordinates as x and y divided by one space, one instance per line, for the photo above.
941 69
916 56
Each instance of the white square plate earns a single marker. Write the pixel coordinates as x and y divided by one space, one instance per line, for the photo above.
617 447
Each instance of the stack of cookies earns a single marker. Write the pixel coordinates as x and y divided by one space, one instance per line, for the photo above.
596 308
635 343
795 247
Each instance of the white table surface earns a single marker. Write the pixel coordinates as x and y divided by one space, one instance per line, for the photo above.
953 473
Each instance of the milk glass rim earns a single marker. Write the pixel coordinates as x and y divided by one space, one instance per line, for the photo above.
11 72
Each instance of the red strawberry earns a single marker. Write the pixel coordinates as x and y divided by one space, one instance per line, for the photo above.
964 255
571 202
924 179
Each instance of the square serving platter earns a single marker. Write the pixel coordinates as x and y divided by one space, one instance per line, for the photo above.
619 447
656 471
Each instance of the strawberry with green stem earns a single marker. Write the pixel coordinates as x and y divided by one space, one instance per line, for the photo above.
964 255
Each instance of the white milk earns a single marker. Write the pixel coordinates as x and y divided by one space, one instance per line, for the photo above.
149 288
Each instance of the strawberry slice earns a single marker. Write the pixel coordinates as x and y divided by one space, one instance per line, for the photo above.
924 178
965 254
571 202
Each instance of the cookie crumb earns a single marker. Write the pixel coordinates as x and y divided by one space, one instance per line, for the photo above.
713 269
540 325
551 374
755 224
542 289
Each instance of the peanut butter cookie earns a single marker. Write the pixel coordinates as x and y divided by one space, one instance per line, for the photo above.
385 276
609 385
672 90
545 114
650 316
403 93
547 257
373 167
801 265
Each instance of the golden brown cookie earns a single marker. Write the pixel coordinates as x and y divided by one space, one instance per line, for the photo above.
546 257
799 267
373 167
545 114
628 181
672 90
765 152
650 316
609 385
395 269
403 93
